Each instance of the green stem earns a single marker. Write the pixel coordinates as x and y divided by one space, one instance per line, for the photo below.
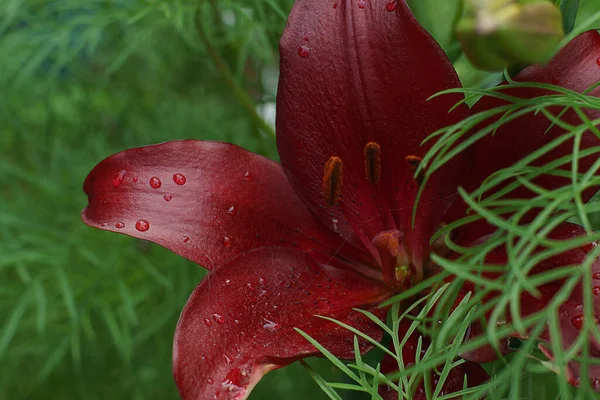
241 95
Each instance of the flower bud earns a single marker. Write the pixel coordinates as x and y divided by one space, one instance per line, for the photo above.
498 33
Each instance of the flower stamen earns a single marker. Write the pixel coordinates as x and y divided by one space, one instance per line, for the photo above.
413 164
332 180
373 162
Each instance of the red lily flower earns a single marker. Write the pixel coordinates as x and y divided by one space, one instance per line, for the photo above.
327 231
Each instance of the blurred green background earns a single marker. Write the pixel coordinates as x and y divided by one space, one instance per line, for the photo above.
86 314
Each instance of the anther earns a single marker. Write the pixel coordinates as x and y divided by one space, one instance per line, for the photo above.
413 164
373 162
332 180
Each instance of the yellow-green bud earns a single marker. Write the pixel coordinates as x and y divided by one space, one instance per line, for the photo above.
498 33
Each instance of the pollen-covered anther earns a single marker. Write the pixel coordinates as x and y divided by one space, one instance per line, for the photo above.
373 162
413 163
332 180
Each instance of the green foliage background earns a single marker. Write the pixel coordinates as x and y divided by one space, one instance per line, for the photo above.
86 314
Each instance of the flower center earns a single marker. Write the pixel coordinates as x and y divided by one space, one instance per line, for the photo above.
397 269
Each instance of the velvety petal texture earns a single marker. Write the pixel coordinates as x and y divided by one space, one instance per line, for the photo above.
355 78
575 67
570 313
454 382
239 322
206 201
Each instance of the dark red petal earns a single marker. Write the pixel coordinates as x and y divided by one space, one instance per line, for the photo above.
476 375
575 67
239 322
570 313
363 76
206 201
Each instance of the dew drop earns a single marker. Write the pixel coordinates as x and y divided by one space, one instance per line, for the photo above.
207 322
226 241
334 5
596 290
596 275
391 5
142 225
155 183
248 176
219 319
135 179
362 4
598 61
303 51
210 381
168 197
186 239
119 178
119 225
577 321
179 179
232 211
104 224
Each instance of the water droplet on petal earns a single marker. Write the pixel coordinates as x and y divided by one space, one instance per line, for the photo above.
119 178
226 241
207 322
219 319
104 224
596 275
334 5
135 179
598 61
232 211
142 225
168 197
179 179
210 381
362 4
303 51
391 6
119 225
186 239
155 183
596 290
577 321
248 176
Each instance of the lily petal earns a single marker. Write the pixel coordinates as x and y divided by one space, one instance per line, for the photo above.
454 382
206 201
570 314
356 75
575 67
239 322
